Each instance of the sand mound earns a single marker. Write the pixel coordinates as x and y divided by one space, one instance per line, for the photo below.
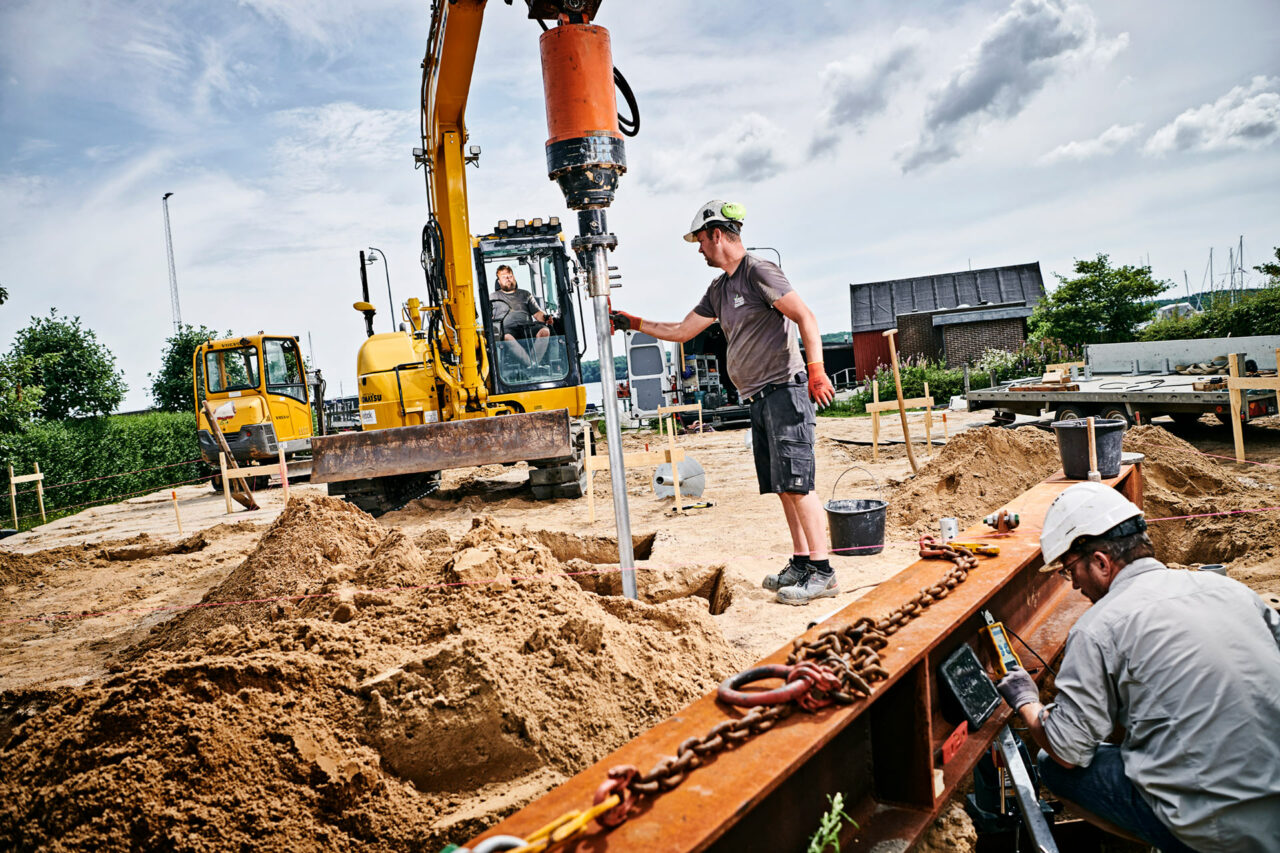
1179 481
370 715
16 566
977 471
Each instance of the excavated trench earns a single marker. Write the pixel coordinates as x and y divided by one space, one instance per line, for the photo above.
593 560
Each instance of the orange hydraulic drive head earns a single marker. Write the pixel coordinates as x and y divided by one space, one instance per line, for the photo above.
585 154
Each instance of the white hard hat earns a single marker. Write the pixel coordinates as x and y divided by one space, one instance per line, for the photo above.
1085 509
715 211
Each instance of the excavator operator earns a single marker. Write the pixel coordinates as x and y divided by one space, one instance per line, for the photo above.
521 318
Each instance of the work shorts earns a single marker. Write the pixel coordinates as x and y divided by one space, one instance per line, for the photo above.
782 430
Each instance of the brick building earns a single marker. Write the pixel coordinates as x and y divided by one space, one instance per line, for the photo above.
952 318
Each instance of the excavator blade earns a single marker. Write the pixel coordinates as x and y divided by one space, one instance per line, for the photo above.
435 447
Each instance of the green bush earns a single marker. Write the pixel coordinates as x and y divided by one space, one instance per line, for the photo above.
81 458
1253 313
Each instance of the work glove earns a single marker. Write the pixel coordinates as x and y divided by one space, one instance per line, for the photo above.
1017 688
820 387
621 321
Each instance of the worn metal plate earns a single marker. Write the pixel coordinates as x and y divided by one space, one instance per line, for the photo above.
435 447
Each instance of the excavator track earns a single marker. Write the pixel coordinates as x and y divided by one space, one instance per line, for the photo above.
562 476
386 494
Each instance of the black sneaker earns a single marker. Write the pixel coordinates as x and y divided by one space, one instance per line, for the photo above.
796 571
815 585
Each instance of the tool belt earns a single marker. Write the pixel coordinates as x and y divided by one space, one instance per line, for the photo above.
801 378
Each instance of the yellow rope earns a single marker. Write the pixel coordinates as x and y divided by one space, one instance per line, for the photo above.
566 826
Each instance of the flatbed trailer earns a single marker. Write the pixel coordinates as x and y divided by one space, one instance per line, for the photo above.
1135 382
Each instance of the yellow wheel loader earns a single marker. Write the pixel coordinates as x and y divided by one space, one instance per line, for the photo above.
261 395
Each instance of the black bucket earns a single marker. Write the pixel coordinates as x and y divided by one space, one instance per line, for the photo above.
857 524
1073 446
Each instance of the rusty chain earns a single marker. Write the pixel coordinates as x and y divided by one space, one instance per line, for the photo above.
840 666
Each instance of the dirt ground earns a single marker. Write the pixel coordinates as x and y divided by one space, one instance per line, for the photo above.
311 678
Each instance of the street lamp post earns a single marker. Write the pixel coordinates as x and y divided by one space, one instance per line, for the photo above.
767 249
386 271
173 274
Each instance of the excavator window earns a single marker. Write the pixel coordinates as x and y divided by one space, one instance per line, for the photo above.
284 369
528 350
234 369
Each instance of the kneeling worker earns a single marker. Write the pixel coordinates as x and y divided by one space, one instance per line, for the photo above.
760 312
1188 663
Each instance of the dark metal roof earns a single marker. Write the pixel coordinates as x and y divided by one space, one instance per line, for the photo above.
875 305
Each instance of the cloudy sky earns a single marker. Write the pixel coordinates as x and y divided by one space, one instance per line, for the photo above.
867 140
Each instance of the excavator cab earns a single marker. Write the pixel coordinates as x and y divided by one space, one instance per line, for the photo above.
528 354
261 395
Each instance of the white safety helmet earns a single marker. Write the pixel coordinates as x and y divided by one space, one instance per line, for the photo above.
1085 509
715 211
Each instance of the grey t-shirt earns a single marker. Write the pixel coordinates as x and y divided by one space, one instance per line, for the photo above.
763 347
1189 664
513 309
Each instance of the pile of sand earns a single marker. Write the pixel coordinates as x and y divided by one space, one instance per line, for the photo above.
977 471
1179 480
424 690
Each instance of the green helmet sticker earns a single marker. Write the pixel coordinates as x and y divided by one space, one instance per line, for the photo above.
733 210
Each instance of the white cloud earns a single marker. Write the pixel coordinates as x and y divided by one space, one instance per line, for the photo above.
324 143
1107 142
748 151
857 89
1247 117
1018 54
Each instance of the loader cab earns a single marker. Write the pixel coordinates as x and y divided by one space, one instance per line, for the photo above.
259 390
526 354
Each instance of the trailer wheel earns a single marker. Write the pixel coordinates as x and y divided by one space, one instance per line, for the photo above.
1117 413
1071 412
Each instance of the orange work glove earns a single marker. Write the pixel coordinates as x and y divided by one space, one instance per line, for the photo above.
820 387
621 321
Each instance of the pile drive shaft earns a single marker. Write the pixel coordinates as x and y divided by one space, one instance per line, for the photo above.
586 157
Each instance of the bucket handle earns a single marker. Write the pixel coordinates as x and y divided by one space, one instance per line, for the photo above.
879 488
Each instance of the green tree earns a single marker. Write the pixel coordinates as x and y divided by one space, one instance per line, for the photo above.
4 294
78 374
1102 304
1267 269
19 397
171 387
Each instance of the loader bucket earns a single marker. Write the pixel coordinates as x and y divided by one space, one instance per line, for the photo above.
435 447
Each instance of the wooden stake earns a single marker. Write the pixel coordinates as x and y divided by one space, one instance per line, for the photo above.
240 491
928 425
226 481
875 420
1237 398
176 514
945 435
13 498
902 410
284 475
675 468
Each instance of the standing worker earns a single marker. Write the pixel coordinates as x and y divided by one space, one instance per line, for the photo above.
759 312
1188 663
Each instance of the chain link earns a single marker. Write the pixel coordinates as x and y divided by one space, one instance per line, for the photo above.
840 666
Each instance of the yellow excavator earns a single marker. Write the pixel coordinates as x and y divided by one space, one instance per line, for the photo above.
261 395
457 385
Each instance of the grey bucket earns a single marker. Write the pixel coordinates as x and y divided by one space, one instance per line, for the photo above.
1073 446
857 524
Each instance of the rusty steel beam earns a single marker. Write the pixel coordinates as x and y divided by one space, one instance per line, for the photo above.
435 447
883 753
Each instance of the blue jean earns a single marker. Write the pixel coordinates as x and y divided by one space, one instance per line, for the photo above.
1102 789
